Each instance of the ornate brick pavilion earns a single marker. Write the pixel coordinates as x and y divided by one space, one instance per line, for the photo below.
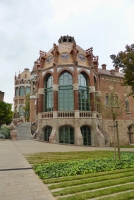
64 84
22 88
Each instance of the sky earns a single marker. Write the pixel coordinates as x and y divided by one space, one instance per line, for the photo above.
28 26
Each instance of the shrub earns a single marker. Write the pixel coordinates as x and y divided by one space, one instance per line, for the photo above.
54 170
5 131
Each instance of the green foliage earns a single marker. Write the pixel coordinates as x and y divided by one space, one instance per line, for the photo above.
5 132
52 170
125 60
5 113
27 106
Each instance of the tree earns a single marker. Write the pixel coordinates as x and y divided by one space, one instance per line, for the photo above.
112 107
125 60
6 113
27 106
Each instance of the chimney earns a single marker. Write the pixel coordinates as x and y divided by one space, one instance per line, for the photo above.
112 72
104 66
117 69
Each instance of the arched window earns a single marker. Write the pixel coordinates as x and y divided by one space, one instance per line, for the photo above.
84 101
86 134
16 91
21 112
65 96
66 135
47 133
22 91
27 90
48 94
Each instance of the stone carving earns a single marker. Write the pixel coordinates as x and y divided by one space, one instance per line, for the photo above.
89 55
55 53
74 52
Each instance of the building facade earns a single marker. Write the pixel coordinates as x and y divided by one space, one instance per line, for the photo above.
21 88
65 83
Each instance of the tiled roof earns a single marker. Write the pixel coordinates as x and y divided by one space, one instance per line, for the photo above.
107 72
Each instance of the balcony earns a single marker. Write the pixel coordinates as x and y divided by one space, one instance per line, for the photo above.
85 114
69 114
66 114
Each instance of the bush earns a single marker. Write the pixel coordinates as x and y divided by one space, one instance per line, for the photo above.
2 136
5 132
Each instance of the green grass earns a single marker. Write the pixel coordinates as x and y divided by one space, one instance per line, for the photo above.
91 180
91 186
125 196
99 193
57 157
79 177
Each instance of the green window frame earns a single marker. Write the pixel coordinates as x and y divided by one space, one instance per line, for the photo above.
27 90
21 112
48 94
16 91
65 93
84 98
47 133
86 134
22 91
66 135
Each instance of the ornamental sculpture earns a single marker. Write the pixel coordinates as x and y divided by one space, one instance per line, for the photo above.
55 53
74 52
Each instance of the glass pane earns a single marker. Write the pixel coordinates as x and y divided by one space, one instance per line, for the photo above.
21 91
27 90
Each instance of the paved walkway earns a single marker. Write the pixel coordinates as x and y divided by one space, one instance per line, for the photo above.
17 180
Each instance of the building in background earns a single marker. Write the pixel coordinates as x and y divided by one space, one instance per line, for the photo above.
65 83
1 96
22 88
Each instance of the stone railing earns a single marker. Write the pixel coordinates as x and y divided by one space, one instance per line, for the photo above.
85 114
47 115
65 114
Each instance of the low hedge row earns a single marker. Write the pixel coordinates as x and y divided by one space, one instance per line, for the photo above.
54 170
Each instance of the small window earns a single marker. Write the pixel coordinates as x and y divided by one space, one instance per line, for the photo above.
127 105
107 100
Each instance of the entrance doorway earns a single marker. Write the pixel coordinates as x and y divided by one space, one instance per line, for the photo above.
66 135
47 133
86 134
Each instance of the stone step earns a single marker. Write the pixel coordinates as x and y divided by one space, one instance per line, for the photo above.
23 131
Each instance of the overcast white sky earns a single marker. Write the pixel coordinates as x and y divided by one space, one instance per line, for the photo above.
31 25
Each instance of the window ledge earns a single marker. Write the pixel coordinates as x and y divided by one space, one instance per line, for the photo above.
128 112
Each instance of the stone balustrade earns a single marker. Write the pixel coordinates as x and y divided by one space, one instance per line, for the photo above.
65 114
47 115
85 114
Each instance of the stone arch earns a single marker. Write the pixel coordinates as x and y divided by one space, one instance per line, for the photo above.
84 72
65 70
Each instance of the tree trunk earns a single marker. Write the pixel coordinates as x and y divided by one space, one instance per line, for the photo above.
118 143
114 140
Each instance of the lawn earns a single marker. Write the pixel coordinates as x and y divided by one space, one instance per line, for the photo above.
57 157
115 181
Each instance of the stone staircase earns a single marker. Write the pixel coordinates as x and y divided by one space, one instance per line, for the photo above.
23 131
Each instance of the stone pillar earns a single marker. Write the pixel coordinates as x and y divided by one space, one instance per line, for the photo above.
40 103
32 101
76 88
55 88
